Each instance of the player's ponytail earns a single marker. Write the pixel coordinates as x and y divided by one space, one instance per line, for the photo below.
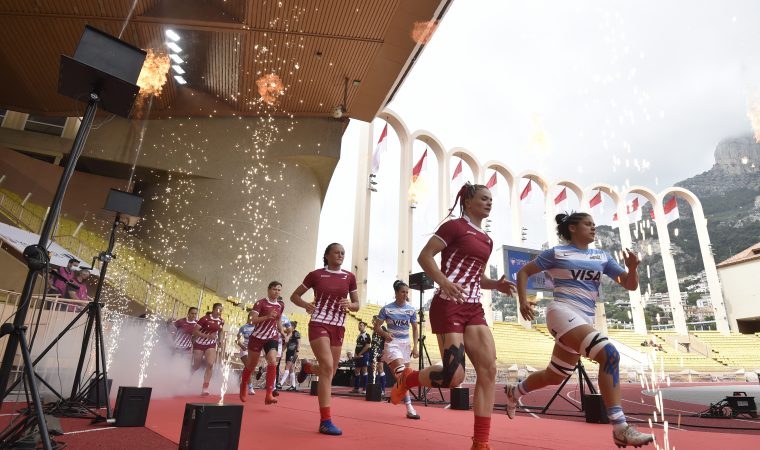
398 284
466 192
564 221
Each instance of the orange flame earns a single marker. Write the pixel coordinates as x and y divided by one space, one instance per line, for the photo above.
423 31
270 87
753 113
153 74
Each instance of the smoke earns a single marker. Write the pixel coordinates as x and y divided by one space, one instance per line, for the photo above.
168 374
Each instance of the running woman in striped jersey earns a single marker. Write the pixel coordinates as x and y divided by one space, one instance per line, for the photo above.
265 316
577 272
456 314
208 334
334 293
399 351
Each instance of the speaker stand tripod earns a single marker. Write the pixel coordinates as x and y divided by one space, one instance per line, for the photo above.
422 392
583 379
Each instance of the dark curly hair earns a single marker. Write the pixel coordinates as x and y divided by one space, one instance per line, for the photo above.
398 284
565 220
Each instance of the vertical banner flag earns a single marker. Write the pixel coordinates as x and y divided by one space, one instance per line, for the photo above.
457 172
419 167
615 223
491 181
561 197
671 210
380 148
634 212
595 200
526 191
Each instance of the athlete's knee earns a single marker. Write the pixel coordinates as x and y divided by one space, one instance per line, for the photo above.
592 345
453 368
485 372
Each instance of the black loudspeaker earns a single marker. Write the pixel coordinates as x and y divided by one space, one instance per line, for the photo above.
593 407
104 65
314 387
132 406
373 392
420 281
93 396
208 426
460 398
124 202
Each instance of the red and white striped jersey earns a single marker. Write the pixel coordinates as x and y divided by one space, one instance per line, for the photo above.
209 325
467 251
329 287
267 330
183 333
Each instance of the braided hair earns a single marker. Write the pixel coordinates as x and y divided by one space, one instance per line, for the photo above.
466 192
564 221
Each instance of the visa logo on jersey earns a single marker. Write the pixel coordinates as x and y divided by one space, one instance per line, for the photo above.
400 323
586 275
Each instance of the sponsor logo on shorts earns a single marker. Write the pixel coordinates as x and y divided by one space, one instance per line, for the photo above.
570 320
456 324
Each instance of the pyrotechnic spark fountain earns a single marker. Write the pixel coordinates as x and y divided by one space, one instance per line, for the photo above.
270 88
753 112
422 32
229 345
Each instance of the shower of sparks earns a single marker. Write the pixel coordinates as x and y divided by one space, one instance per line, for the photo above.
270 88
422 32
229 346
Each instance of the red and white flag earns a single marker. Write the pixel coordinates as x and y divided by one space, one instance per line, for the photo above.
457 172
671 210
380 148
615 221
491 181
634 211
419 167
595 200
561 197
526 191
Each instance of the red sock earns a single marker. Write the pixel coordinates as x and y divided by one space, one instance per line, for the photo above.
324 413
308 368
271 377
246 376
205 385
412 380
482 429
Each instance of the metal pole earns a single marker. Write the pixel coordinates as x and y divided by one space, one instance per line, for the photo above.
41 248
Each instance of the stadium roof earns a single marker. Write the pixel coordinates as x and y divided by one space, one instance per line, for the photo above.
226 45
750 254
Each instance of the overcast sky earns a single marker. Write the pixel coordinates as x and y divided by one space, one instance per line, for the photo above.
621 92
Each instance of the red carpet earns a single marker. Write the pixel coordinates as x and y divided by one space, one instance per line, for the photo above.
372 425
369 425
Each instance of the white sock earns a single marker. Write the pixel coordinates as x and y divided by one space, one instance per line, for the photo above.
293 379
284 376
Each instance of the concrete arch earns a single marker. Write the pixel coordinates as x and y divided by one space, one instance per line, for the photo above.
403 255
711 272
624 232
577 190
544 187
551 236
438 149
668 264
512 183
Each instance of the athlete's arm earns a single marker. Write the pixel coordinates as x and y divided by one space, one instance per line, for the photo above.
197 333
426 260
351 305
299 301
416 337
526 308
502 284
378 328
629 279
258 319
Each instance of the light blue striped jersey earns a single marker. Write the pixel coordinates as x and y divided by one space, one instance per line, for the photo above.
398 319
577 274
246 331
